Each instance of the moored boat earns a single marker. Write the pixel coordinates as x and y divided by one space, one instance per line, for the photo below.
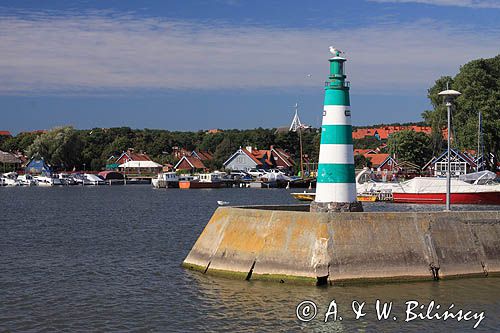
427 190
205 180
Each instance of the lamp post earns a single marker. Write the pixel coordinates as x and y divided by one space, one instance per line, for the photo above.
449 96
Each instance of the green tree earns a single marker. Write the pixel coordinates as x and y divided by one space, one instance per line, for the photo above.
61 147
479 83
410 146
361 161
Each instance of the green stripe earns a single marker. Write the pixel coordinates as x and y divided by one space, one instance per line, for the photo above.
336 134
337 97
336 173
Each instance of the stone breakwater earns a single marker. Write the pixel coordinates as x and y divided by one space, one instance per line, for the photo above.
289 244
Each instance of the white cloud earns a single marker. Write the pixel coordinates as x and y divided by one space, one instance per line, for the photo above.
458 3
105 52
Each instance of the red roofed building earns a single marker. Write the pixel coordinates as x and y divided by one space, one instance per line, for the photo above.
384 132
5 133
130 155
190 163
381 162
248 158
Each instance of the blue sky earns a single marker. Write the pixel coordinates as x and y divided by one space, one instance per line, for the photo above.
189 65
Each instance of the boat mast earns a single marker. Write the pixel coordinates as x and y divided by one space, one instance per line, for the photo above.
297 126
479 142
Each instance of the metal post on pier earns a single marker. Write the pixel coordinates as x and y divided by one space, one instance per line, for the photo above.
449 96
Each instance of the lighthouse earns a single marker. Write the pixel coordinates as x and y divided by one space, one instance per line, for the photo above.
336 185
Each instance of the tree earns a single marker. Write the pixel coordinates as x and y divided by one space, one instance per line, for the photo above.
479 83
360 161
410 146
61 147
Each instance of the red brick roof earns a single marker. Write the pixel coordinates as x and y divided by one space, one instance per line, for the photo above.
5 133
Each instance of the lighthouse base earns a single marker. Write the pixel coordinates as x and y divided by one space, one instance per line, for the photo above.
336 207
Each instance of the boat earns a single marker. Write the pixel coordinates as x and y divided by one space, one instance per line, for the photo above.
306 196
367 197
204 180
91 179
9 179
26 180
46 181
429 190
166 180
222 203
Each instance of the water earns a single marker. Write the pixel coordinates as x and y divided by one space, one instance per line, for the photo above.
108 259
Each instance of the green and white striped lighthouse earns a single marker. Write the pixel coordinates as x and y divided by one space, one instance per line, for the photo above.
336 185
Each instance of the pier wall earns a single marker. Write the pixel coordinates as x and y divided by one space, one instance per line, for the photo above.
288 246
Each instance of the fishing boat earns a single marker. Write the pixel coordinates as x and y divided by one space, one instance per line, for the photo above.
222 203
204 180
428 190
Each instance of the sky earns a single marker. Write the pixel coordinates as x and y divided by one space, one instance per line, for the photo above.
199 64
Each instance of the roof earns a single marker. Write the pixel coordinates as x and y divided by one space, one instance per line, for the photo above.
194 162
454 152
131 156
5 133
140 164
385 131
251 155
377 159
364 151
202 155
6 157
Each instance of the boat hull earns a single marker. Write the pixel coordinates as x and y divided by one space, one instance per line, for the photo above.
475 198
193 184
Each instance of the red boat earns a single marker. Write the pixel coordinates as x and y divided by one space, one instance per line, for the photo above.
433 191
205 180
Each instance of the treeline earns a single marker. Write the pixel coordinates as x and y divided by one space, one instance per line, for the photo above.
66 148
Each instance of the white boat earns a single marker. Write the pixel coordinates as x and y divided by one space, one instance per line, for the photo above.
365 184
90 179
9 179
45 181
26 180
166 180
67 179
433 191
222 203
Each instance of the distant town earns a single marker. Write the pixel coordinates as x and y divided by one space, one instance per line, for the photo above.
402 150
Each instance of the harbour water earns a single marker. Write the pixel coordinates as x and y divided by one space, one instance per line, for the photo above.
108 259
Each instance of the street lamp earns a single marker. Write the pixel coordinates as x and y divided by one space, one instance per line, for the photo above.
449 96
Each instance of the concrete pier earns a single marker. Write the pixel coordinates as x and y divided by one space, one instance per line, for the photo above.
290 244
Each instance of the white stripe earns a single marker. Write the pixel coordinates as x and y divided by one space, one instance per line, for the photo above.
335 192
336 115
336 153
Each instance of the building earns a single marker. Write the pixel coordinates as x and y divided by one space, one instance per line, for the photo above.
460 164
9 161
5 134
126 156
383 132
248 158
190 164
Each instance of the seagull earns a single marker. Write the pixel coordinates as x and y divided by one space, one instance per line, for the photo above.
334 51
